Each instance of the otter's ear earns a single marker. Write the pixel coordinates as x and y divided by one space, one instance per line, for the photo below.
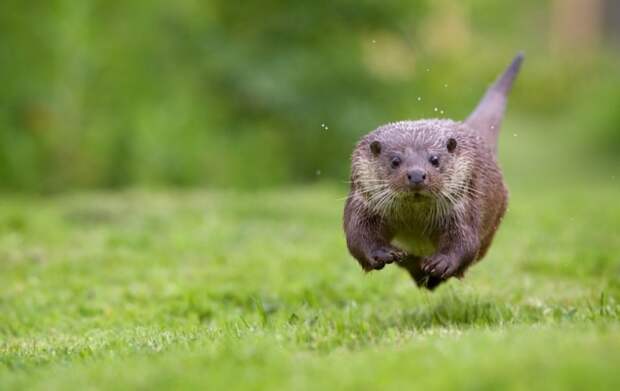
451 144
375 147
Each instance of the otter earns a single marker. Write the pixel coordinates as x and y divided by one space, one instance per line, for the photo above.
429 195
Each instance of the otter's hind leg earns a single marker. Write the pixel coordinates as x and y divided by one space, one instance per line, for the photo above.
422 279
488 239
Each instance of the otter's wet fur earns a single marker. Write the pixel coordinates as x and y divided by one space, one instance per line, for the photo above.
429 194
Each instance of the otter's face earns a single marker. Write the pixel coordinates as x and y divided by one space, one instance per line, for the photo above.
415 169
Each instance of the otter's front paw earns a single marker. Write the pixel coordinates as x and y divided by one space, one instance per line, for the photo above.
440 266
384 255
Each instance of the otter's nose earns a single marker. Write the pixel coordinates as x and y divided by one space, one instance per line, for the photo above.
416 177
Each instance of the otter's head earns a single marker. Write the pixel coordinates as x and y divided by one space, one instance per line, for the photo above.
413 162
431 161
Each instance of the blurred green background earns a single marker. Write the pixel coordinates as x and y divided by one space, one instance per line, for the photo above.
99 94
146 286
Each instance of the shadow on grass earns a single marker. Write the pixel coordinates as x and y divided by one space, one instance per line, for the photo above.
447 309
460 311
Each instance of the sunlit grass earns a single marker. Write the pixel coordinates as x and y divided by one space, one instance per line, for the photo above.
255 289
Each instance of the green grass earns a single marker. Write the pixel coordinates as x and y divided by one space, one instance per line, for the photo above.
161 289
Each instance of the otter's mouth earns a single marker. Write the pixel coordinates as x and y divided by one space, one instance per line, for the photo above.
419 196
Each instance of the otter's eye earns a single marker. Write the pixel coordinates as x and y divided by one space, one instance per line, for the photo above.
451 145
434 160
395 162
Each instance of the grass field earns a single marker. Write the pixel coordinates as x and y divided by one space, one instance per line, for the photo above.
165 289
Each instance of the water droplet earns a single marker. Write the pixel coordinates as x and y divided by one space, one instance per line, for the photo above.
514 134
441 112
318 172
374 41
435 109
326 127
445 85
428 69
419 98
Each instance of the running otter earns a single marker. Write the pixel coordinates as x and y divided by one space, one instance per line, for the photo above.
429 194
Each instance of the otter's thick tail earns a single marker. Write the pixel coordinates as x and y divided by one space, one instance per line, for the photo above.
486 119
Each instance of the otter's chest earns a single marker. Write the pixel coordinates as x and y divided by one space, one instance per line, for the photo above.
415 243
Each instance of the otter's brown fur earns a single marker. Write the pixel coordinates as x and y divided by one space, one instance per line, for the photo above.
429 194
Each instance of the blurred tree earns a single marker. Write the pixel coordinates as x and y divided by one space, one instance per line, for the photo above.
576 24
252 93
611 15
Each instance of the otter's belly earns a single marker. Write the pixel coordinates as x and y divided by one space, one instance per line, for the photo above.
414 243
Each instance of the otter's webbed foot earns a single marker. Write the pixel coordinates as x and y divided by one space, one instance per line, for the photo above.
429 282
422 279
385 255
440 266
